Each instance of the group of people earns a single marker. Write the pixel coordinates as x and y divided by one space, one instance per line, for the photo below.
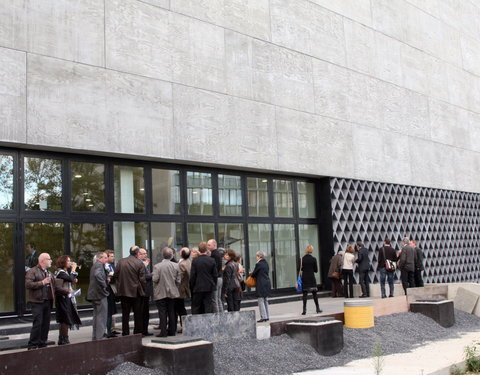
207 275
409 260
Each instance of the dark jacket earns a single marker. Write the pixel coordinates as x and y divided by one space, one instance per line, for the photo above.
66 311
215 254
363 260
407 259
37 292
203 275
130 277
230 278
97 288
149 283
309 269
260 273
390 254
335 264
419 259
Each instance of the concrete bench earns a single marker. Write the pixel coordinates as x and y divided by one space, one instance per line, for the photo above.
324 334
180 355
440 310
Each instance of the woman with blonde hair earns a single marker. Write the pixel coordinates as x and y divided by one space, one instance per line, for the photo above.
308 268
347 271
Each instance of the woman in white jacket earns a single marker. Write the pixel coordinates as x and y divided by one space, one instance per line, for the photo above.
347 271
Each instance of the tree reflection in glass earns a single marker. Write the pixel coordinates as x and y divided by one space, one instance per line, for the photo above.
88 186
6 182
43 184
6 267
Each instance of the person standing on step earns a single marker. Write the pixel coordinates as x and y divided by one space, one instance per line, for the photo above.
406 265
308 268
263 288
97 294
418 264
386 253
363 268
347 271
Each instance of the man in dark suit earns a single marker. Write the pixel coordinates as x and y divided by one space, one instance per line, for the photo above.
363 268
142 255
418 264
203 281
217 301
97 294
406 265
32 258
112 307
131 283
41 287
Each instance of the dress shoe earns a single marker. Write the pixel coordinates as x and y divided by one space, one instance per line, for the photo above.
390 296
319 311
304 313
116 332
147 334
160 335
261 320
363 296
111 335
156 327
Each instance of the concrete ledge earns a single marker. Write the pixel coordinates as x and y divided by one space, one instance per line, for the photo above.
441 311
376 292
430 291
388 306
280 328
91 357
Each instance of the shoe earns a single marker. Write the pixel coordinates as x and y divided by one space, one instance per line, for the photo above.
156 327
116 332
160 335
390 296
266 320
304 313
111 335
362 296
147 334
319 311
261 320
384 296
179 330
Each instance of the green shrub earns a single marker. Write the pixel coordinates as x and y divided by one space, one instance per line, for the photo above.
472 359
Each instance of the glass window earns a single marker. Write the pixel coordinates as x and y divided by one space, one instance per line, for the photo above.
260 239
85 241
308 234
306 199
230 236
198 232
285 255
6 182
126 234
88 186
199 193
43 184
163 235
257 196
230 195
282 196
6 268
166 191
129 189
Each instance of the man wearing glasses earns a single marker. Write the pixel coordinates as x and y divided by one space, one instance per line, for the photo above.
40 284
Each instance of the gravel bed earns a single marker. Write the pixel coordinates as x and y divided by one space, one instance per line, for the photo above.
281 355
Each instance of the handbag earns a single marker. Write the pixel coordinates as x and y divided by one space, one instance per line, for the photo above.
390 265
335 275
299 284
299 278
251 282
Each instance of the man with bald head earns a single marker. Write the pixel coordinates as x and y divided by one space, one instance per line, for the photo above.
40 284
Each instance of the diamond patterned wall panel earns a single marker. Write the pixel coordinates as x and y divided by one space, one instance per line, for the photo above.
446 225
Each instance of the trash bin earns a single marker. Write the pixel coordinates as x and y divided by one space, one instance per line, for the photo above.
359 313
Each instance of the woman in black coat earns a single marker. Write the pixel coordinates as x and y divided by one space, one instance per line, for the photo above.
309 283
263 286
67 314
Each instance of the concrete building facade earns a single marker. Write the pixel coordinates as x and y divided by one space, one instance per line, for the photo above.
343 94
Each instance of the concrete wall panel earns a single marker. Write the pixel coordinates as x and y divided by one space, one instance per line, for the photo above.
308 143
474 130
68 29
153 42
308 28
414 69
388 65
216 128
268 73
13 25
381 155
87 108
13 95
158 3
471 55
331 89
388 17
249 17
360 47
449 124
358 10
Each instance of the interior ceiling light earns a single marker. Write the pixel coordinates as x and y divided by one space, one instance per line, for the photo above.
78 176
88 200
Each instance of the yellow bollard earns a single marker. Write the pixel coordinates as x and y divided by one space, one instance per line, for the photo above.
359 313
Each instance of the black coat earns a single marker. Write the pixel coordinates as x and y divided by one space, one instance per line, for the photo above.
390 254
260 273
203 276
66 311
419 259
309 269
363 260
